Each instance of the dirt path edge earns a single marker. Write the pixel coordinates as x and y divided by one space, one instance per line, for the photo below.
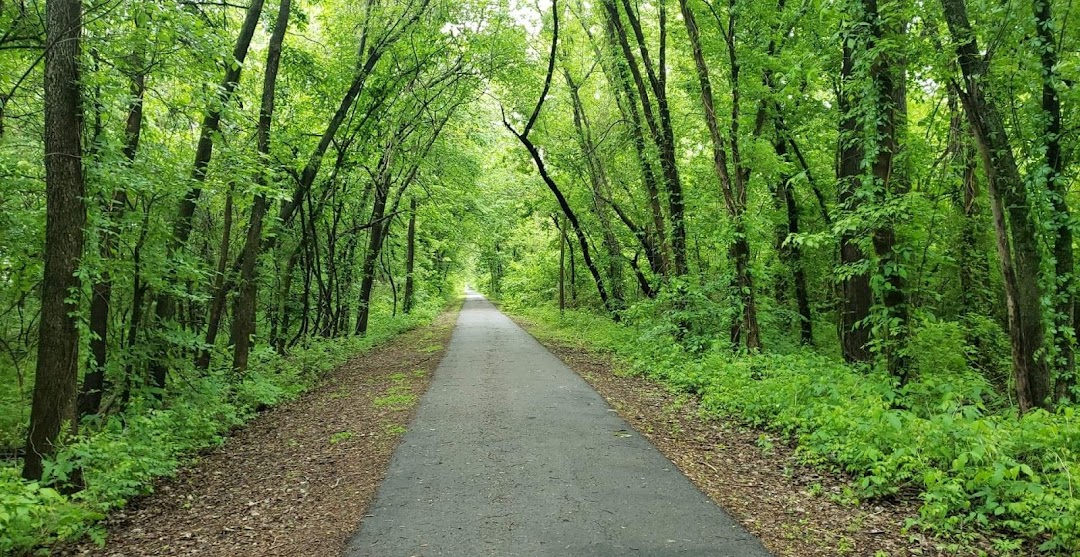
298 479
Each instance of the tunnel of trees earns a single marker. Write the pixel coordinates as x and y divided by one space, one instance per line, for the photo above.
200 200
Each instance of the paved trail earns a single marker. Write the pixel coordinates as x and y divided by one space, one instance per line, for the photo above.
512 454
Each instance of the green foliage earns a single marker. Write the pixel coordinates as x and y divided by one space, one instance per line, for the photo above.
945 434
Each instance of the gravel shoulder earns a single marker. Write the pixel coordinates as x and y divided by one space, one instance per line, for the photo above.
298 479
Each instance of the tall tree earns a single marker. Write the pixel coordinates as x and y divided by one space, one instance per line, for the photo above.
856 297
243 325
1066 318
889 110
598 180
57 372
1021 261
734 190
165 310
523 137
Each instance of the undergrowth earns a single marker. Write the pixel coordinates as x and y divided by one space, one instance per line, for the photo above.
120 456
978 468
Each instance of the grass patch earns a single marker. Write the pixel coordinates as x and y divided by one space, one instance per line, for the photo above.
394 429
341 436
396 400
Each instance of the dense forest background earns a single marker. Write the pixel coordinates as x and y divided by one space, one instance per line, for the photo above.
846 220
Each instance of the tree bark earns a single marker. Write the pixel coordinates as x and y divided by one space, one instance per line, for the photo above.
56 376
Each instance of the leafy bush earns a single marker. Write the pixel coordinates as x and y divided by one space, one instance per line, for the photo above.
977 466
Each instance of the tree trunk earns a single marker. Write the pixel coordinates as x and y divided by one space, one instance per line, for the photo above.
243 325
790 253
523 137
410 258
562 265
1007 194
600 189
56 377
856 297
971 259
889 82
734 191
138 300
1066 318
664 135
378 210
94 379
217 305
618 34
655 240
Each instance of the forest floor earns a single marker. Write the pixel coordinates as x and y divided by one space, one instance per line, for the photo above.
298 479
795 510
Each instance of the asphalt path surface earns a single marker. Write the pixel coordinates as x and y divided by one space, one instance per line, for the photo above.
511 453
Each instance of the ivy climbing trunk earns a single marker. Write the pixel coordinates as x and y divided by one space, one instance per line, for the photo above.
1066 319
888 81
855 294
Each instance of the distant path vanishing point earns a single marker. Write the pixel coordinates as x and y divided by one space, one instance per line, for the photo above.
512 454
